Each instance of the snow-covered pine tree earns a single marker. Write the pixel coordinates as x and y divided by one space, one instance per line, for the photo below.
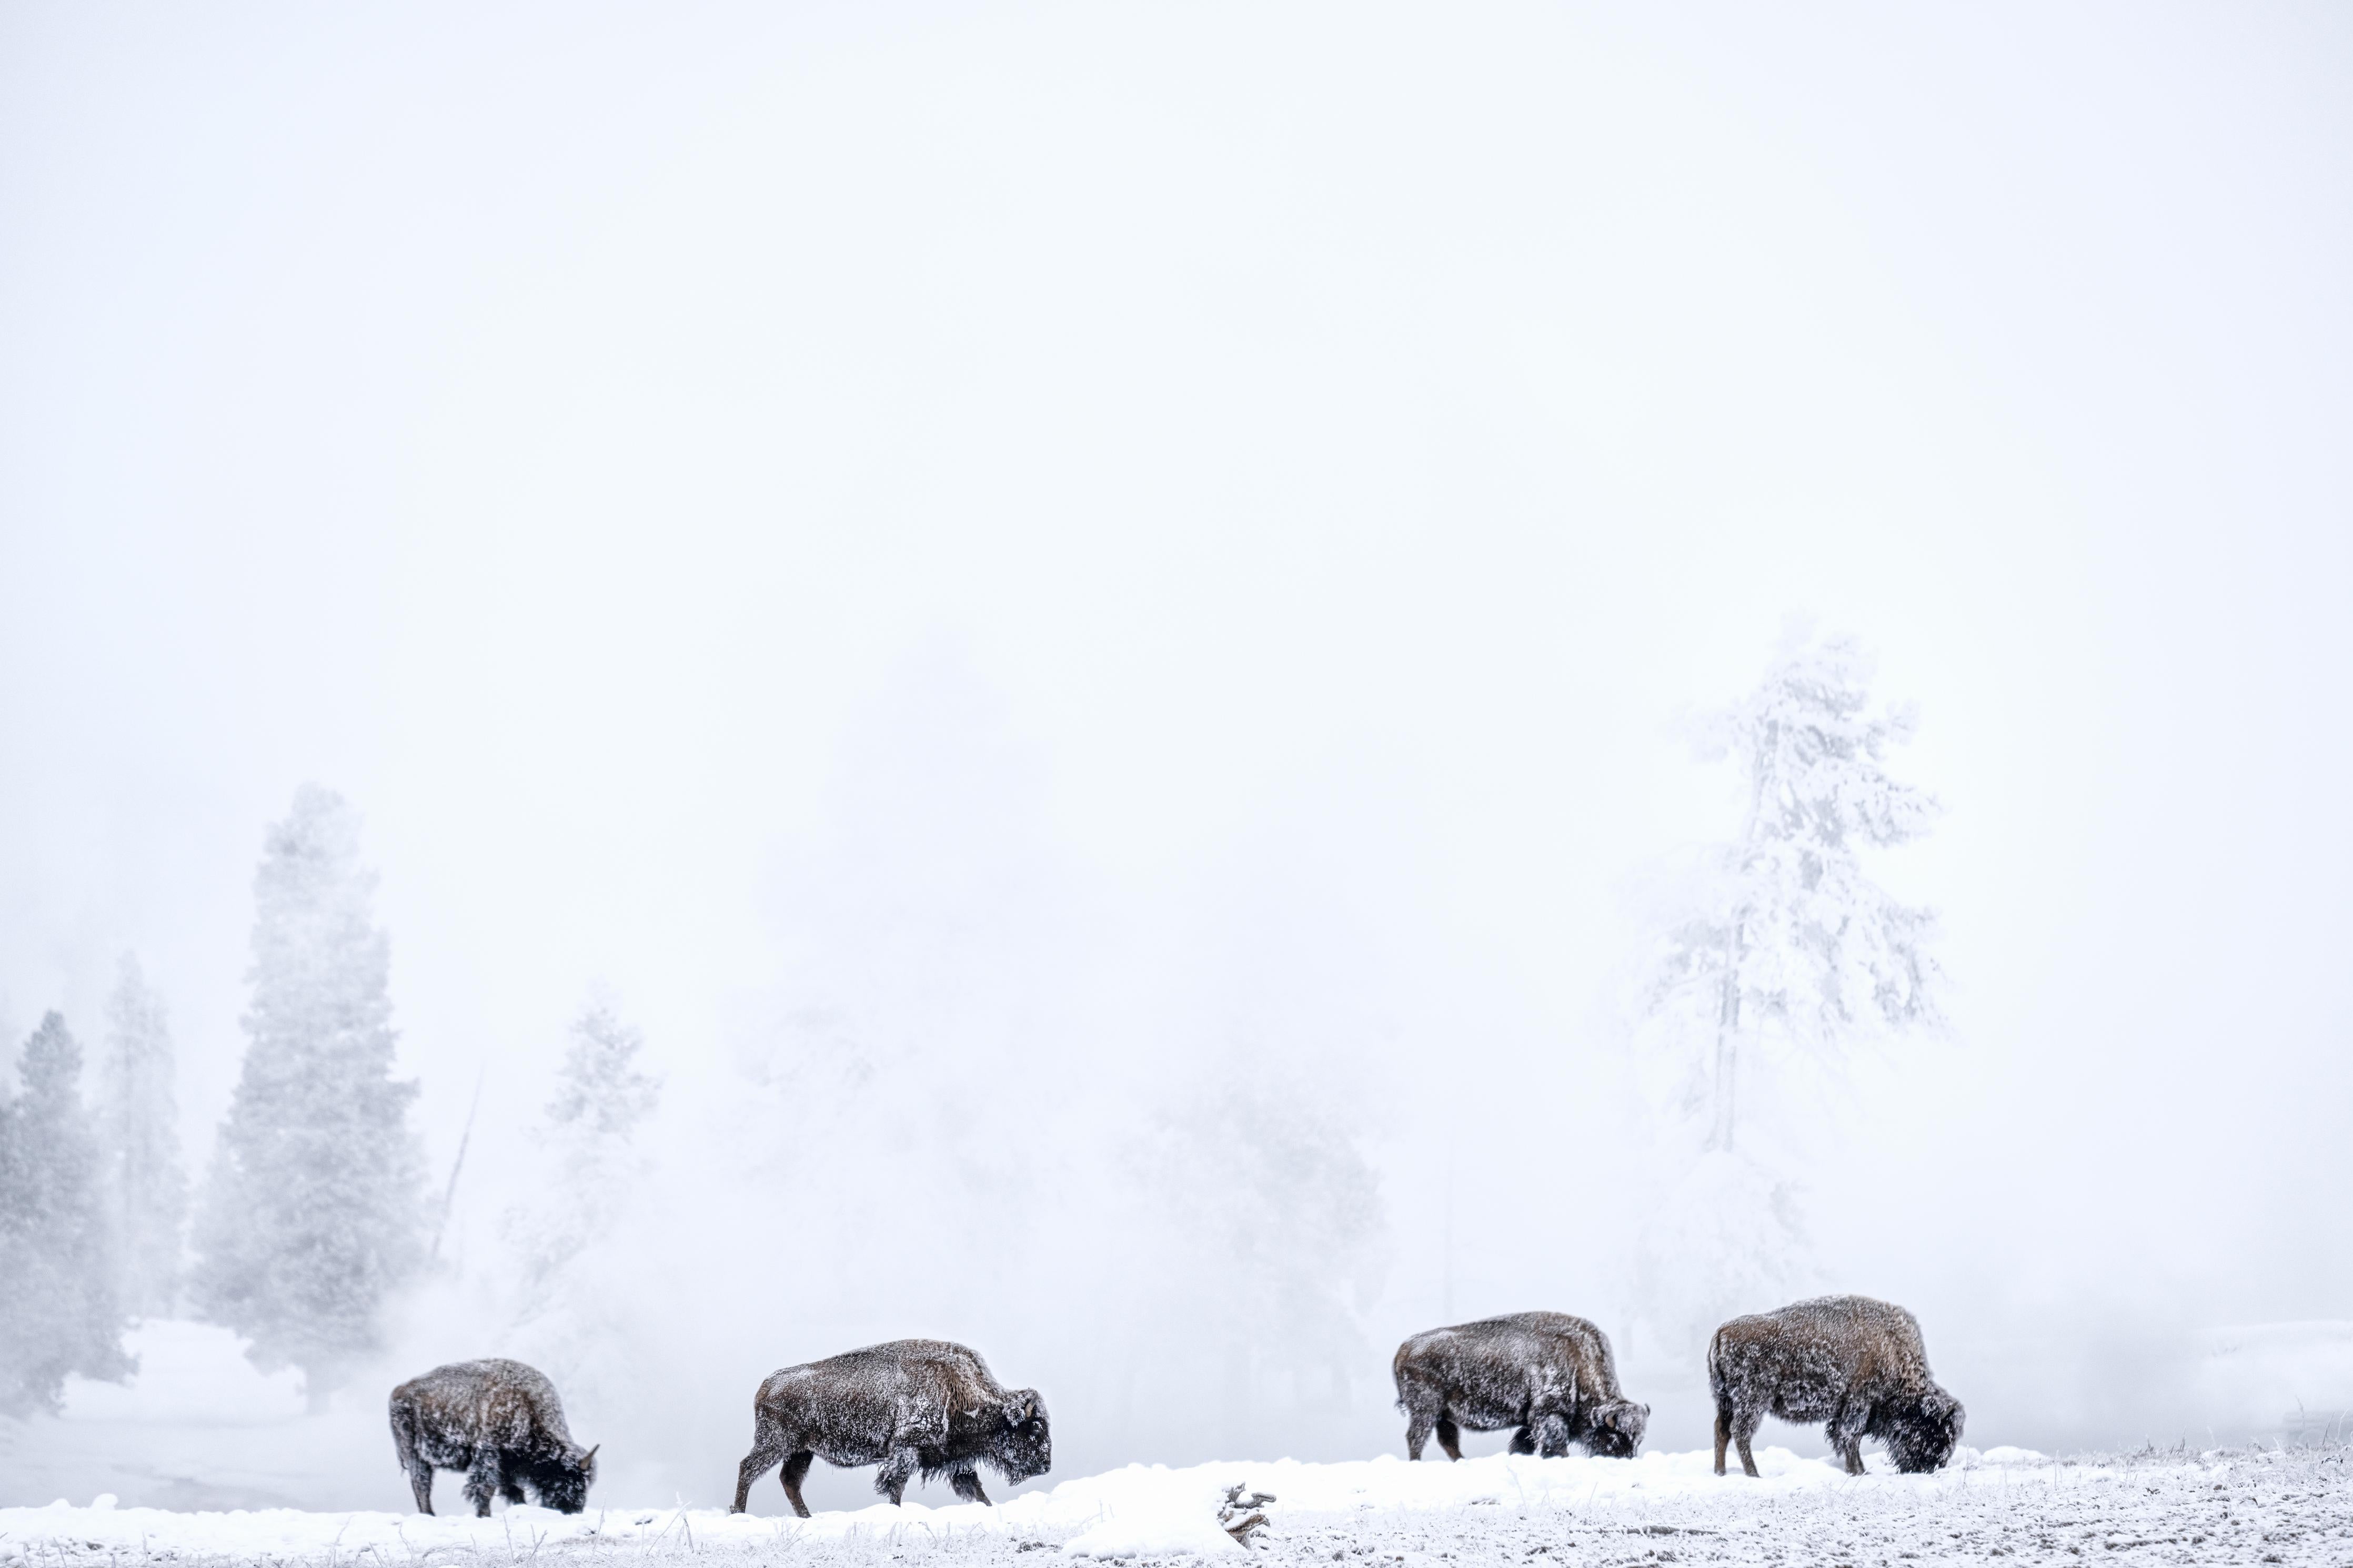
139 1137
603 1095
58 1308
589 1166
313 1212
1790 953
1783 957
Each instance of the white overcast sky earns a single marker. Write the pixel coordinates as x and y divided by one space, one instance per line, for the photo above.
618 446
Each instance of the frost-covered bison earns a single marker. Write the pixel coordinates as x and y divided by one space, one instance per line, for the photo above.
501 1423
1853 1363
908 1405
1546 1374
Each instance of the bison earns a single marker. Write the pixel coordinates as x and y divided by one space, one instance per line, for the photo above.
1548 1374
501 1424
1853 1363
908 1405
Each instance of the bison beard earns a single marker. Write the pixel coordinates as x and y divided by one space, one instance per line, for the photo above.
499 1422
1855 1364
912 1406
1548 1374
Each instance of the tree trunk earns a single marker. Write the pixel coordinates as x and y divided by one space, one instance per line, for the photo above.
1727 1046
1736 946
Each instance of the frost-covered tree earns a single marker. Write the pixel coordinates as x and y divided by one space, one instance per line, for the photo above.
571 1300
1789 951
58 1307
1285 1230
603 1096
1782 957
313 1211
139 1140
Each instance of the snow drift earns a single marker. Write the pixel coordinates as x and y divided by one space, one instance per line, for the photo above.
1137 1510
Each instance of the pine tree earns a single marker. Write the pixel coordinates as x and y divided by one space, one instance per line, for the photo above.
57 1308
138 1127
589 1169
1790 950
312 1213
585 1141
1784 958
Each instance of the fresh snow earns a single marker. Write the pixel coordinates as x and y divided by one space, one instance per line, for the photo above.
2008 1504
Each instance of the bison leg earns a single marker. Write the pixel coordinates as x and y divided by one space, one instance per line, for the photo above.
1845 1433
483 1478
768 1445
420 1481
1449 1438
1723 1432
1419 1421
404 1444
1743 1426
795 1471
898 1464
1522 1442
1552 1436
511 1482
967 1486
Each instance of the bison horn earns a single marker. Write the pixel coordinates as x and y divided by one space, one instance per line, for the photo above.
590 1454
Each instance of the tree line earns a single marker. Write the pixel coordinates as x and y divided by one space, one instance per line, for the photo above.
1778 956
310 1212
91 1202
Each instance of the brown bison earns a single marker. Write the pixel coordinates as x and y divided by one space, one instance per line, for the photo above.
908 1405
1548 1374
501 1423
1853 1363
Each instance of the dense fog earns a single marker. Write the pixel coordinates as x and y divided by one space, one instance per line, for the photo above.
1059 677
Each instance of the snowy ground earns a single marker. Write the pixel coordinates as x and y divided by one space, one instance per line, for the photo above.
2248 1506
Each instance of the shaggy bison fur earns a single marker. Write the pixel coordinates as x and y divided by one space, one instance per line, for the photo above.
501 1423
1853 1363
908 1405
1548 1374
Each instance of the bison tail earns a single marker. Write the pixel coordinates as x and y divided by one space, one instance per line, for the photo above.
404 1432
1398 1381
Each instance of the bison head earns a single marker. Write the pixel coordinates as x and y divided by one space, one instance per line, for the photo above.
1616 1429
1025 1447
562 1484
1923 1430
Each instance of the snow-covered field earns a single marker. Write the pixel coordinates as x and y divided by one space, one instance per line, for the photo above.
2244 1506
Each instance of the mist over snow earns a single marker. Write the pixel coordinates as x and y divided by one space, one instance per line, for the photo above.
1042 677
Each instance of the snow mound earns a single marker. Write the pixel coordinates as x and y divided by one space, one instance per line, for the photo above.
1151 1535
2005 1455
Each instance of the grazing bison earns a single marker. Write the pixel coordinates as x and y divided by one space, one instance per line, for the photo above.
1546 1374
498 1421
1851 1362
908 1405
